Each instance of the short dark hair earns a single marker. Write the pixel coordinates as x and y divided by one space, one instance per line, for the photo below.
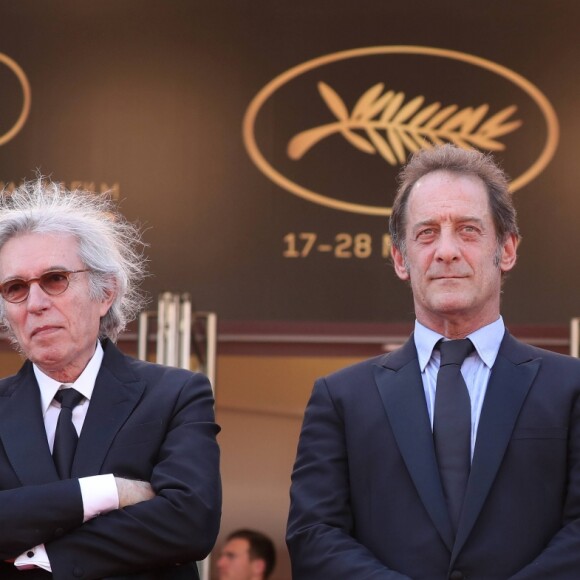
461 161
261 547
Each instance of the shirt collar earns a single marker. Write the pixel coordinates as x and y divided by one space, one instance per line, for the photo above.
486 341
84 384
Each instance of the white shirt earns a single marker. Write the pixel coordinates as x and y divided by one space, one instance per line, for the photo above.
476 369
99 492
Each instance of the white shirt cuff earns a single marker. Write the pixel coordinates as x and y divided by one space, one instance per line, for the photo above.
33 558
99 494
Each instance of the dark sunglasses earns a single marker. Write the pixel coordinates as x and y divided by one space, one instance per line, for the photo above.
53 283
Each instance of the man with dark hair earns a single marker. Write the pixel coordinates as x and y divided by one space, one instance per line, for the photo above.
109 466
458 455
246 555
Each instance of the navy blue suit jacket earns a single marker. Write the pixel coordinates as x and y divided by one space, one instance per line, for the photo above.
146 422
366 498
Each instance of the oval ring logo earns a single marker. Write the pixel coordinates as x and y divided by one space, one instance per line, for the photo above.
18 124
382 123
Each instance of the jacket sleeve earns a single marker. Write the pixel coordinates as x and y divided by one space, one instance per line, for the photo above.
560 559
36 514
320 533
180 524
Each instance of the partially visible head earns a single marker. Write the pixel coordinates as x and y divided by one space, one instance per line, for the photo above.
108 246
458 161
246 555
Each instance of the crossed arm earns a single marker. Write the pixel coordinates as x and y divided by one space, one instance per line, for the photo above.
170 519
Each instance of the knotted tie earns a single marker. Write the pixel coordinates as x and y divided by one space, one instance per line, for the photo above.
65 436
452 425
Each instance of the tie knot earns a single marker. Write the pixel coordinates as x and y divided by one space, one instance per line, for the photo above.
68 398
454 352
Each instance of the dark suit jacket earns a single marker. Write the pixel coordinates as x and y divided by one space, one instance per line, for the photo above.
144 421
366 498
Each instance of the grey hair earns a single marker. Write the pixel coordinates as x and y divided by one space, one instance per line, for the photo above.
461 161
109 245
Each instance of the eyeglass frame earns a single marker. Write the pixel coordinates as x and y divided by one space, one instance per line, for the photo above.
28 284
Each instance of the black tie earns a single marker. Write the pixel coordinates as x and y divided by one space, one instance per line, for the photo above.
65 436
452 424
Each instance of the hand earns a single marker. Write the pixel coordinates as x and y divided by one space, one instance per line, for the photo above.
132 491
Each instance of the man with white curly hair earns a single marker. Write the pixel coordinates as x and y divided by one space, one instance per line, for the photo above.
109 466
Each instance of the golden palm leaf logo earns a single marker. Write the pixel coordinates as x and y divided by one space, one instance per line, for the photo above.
389 124
25 86
382 122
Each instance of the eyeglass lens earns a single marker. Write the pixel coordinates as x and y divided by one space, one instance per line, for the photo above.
52 283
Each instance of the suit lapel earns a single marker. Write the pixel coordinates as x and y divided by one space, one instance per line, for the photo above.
401 389
22 430
117 391
511 378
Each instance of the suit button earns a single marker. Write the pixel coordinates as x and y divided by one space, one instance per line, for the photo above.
456 575
78 572
58 532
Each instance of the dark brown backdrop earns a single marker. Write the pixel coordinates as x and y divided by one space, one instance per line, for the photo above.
149 98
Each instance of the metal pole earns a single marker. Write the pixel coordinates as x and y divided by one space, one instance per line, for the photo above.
142 336
172 329
211 342
185 332
575 337
161 328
